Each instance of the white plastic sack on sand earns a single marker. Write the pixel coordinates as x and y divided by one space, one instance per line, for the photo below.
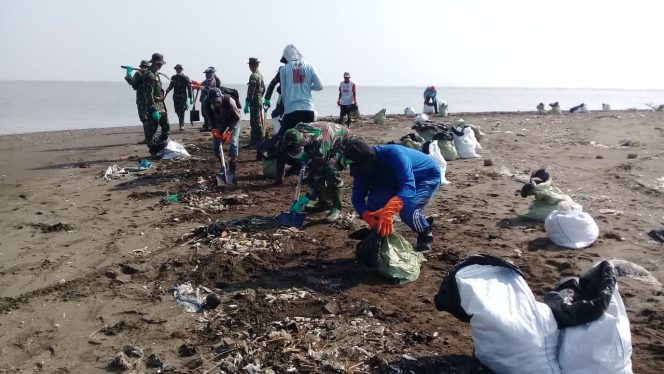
421 118
466 144
568 226
601 346
428 109
512 332
434 153
409 112
173 150
442 108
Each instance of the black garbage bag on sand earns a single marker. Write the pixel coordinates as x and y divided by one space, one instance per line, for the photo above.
158 144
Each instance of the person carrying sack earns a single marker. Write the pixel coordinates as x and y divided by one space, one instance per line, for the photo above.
391 179
320 145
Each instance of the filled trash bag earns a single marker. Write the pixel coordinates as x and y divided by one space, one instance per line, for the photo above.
547 195
174 150
437 156
512 332
379 118
465 142
426 130
157 144
397 260
409 112
421 118
413 141
366 251
595 335
568 226
428 109
442 109
446 144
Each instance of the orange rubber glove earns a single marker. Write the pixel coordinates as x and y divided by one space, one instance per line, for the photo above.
370 219
216 134
384 215
226 136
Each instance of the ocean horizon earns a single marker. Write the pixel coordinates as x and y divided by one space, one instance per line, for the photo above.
32 106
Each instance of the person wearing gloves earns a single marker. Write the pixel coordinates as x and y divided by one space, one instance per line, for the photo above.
154 97
254 104
347 100
224 118
319 145
181 86
297 79
136 82
430 94
391 179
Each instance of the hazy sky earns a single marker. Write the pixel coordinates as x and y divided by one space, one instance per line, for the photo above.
507 43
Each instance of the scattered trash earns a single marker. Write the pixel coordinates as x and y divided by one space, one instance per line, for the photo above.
657 235
172 198
58 227
488 162
610 211
632 155
191 301
631 270
113 172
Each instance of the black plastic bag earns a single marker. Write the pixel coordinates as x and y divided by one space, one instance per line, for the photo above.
368 249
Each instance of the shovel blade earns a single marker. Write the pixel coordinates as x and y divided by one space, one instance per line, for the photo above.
292 219
221 179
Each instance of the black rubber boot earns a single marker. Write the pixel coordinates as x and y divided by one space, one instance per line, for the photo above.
146 134
425 239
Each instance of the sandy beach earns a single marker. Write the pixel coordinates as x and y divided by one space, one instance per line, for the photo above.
86 264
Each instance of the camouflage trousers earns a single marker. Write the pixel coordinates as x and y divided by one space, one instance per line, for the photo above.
257 129
142 111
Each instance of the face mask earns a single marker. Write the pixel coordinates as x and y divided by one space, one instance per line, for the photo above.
301 157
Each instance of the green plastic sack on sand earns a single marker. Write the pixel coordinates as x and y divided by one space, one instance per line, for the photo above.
412 144
397 260
448 150
547 197
270 168
426 133
379 118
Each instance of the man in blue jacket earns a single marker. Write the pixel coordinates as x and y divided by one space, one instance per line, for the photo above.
297 79
390 179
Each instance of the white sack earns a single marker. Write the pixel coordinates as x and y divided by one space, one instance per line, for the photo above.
568 226
512 332
173 150
434 153
467 145
428 109
421 118
601 346
409 112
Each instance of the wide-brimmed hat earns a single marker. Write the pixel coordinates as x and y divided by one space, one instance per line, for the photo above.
157 58
178 66
144 64
253 61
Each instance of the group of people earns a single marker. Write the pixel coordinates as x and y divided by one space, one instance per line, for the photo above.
387 179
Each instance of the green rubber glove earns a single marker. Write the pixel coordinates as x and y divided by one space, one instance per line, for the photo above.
156 116
129 69
299 204
191 100
266 104
246 106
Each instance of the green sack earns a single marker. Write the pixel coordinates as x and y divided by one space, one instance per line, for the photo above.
426 132
448 150
410 143
397 260
547 197
379 118
270 168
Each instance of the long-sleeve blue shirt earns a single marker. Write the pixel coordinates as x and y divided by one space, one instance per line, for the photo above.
399 170
298 79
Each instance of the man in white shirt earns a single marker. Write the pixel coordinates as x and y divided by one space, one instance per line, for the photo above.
347 101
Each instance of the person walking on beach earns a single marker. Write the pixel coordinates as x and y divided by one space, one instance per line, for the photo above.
181 86
136 82
154 96
297 79
391 179
347 100
224 115
254 104
430 94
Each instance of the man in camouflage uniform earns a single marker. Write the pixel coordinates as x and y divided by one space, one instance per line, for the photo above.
321 145
136 82
154 96
181 86
254 103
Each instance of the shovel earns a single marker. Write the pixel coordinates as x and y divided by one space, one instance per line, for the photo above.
224 177
294 219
